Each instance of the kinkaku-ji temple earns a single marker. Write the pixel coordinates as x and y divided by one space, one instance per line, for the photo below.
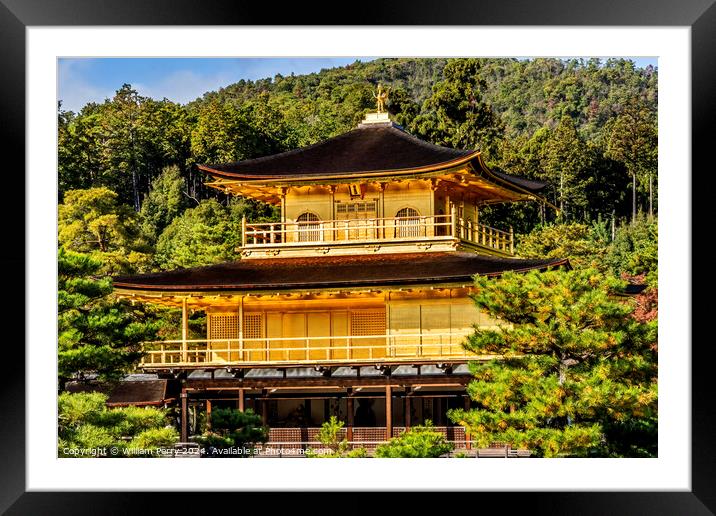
357 302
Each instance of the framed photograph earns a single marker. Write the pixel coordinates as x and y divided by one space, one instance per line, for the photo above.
434 237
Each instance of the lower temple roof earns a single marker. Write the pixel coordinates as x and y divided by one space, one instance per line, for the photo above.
333 271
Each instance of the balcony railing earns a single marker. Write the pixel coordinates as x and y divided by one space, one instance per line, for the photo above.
424 347
271 234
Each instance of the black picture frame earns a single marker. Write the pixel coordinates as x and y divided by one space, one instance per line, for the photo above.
16 15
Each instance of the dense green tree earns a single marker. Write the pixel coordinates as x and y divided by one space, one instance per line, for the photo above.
94 221
206 234
140 137
457 114
86 425
584 245
565 163
632 139
635 250
98 337
78 157
164 202
576 367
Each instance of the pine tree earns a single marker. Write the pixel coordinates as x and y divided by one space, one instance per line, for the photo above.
577 373
98 336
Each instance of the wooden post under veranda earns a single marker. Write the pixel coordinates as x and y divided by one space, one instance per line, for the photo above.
388 412
349 415
184 416
184 330
241 400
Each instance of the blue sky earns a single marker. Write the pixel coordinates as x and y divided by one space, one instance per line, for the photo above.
82 80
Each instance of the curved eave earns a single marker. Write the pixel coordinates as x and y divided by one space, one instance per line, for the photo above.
336 176
503 182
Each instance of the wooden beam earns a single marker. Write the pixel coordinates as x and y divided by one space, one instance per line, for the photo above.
341 382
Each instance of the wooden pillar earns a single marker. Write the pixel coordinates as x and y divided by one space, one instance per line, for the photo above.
388 412
406 409
184 329
184 417
208 414
283 191
307 410
241 400
264 408
438 411
349 415
453 221
243 231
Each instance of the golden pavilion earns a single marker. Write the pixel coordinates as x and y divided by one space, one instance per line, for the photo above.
357 302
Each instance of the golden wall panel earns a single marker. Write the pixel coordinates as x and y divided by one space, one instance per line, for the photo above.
318 324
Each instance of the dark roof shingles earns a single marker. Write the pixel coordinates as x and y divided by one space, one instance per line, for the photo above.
335 271
367 149
145 392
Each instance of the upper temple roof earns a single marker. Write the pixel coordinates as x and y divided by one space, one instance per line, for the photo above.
368 151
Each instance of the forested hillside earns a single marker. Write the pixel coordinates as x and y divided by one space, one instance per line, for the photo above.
132 201
128 188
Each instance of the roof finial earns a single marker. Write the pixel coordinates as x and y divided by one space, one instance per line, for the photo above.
381 97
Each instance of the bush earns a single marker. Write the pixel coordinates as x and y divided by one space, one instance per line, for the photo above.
329 437
86 424
420 441
234 428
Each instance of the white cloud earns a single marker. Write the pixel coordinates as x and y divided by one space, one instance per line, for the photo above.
73 89
183 86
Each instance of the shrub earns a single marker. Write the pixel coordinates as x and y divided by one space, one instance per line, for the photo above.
419 441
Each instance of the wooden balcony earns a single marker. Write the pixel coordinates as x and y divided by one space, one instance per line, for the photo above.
426 231
422 348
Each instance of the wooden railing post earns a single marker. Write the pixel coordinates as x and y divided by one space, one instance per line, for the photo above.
453 219
243 231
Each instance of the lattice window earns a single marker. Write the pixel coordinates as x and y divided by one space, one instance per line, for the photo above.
367 207
308 227
368 322
223 326
408 223
253 326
